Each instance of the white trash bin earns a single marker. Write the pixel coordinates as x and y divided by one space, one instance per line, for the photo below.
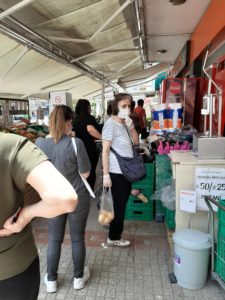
191 258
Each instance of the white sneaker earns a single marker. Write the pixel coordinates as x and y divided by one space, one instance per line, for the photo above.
119 243
50 285
79 283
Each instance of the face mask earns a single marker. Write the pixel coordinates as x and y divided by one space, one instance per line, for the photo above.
123 113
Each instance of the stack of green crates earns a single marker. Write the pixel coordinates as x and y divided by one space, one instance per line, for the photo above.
136 209
163 170
163 177
170 218
220 257
159 211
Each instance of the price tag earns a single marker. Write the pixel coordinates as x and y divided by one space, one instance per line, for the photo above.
188 201
209 182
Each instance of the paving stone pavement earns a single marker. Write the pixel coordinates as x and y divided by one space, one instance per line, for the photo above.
139 272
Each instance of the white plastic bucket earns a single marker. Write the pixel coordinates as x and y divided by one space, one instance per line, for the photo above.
191 258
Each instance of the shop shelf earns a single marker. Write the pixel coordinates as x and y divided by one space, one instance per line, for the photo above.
139 214
170 218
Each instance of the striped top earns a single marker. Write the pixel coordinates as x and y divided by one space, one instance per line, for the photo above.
121 143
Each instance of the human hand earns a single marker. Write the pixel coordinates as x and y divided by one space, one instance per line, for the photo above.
15 223
129 122
107 182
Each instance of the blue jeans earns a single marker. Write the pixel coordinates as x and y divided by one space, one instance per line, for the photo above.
56 231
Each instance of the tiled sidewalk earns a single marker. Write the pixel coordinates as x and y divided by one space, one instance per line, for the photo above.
138 272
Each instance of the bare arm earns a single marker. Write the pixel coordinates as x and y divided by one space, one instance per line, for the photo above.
57 194
134 135
85 175
93 132
105 156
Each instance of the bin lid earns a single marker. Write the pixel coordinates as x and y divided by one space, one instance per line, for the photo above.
192 239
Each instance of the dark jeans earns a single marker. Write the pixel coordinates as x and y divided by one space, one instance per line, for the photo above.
24 286
56 230
92 177
121 189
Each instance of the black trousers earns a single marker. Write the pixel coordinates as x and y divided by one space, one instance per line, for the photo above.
92 177
24 286
121 189
144 133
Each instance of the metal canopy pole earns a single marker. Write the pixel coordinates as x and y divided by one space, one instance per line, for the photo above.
67 39
15 8
103 97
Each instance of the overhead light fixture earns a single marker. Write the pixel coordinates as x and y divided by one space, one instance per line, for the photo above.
177 2
161 51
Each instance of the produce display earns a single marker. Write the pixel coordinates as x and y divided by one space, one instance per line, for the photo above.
30 131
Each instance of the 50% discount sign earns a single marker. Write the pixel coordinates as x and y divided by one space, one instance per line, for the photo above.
209 182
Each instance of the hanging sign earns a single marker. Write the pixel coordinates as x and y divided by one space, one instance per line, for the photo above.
209 182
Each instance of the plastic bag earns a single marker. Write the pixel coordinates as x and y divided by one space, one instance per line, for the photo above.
169 197
106 212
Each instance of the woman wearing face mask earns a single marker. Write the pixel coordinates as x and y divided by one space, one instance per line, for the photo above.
115 134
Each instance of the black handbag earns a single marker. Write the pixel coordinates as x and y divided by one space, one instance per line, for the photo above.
133 168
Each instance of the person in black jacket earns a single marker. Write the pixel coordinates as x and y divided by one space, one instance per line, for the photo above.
88 130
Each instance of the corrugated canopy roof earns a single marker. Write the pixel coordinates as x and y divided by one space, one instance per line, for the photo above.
73 44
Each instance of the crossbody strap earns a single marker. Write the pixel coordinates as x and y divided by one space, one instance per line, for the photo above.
82 178
128 132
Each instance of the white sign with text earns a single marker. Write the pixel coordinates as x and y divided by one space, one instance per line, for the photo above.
209 182
188 201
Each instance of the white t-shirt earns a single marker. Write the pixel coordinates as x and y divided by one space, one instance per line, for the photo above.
121 143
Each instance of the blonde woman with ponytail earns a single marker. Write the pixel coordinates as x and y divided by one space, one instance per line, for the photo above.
59 149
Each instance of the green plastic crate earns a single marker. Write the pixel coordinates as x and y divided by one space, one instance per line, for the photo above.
162 159
159 208
139 214
170 218
145 189
221 219
220 257
134 202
